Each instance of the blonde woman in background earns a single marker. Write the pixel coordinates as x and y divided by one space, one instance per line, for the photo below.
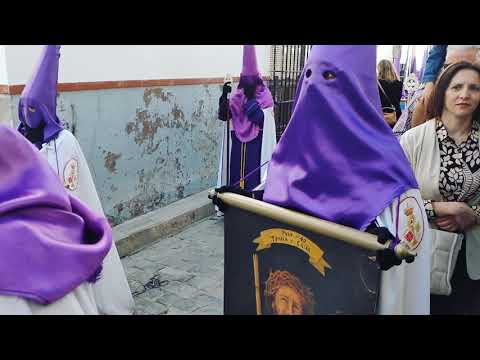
392 87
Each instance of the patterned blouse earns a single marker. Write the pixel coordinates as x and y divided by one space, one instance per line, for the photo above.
459 168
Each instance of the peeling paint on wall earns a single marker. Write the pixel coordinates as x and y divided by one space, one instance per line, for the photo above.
146 123
180 190
146 147
111 161
156 93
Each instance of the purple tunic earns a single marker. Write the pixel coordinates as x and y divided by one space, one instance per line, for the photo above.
245 158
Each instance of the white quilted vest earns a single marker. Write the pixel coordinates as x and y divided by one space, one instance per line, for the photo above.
421 147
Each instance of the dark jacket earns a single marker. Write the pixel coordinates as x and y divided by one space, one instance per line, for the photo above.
393 89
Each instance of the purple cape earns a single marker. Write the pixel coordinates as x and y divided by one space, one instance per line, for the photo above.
245 129
50 242
41 93
338 159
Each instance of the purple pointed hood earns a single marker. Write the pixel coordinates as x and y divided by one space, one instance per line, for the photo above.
413 64
424 62
338 159
396 59
249 66
397 66
245 129
50 242
40 95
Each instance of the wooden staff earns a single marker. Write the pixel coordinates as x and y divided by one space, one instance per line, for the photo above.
318 226
256 275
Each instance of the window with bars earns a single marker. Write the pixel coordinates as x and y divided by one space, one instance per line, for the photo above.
286 64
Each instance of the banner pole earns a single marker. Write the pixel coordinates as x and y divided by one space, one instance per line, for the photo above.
257 284
322 227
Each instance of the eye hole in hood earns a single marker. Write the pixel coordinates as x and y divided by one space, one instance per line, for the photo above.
329 75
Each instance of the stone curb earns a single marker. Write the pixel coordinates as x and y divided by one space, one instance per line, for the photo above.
135 234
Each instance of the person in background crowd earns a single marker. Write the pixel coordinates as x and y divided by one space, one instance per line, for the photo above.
445 156
390 87
440 56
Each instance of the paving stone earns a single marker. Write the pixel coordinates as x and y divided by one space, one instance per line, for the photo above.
146 306
202 299
128 262
169 299
172 274
181 289
208 310
179 263
215 290
148 266
134 274
192 265
201 282
175 311
153 295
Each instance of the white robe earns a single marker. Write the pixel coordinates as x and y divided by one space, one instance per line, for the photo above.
80 301
112 293
405 289
269 141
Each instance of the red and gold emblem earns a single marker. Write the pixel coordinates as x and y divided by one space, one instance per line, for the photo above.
411 222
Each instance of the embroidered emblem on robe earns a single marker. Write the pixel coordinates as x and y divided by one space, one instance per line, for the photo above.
411 227
70 174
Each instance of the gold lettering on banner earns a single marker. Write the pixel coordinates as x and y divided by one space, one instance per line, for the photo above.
292 238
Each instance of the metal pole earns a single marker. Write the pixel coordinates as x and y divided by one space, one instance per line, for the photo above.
228 150
228 78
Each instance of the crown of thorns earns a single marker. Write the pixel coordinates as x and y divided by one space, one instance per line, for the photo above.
281 278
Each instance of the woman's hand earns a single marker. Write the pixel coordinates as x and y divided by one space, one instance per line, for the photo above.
447 223
427 92
446 208
465 217
454 216
227 88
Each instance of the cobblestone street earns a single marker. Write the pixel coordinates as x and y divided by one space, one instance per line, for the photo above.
181 274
